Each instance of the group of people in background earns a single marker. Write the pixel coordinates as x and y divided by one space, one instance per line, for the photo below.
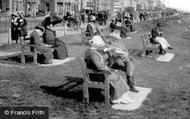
108 53
80 17
18 26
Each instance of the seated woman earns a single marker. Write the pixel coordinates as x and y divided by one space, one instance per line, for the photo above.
49 36
45 51
97 59
113 25
92 27
157 37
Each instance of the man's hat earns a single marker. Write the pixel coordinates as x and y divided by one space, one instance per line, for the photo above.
13 14
116 34
92 18
40 28
158 25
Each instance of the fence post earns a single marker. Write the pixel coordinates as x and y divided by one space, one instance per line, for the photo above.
64 28
9 36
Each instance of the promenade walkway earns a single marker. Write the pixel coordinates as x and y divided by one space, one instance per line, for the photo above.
59 32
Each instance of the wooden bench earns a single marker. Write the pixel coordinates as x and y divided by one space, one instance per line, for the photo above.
147 46
102 84
26 50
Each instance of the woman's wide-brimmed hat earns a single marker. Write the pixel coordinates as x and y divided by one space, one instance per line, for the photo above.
116 35
97 42
40 28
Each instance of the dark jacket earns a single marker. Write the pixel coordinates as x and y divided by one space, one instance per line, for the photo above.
22 26
46 52
60 49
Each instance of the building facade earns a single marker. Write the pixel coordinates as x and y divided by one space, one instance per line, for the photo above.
142 5
104 5
45 6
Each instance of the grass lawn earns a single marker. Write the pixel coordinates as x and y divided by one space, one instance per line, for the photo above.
169 99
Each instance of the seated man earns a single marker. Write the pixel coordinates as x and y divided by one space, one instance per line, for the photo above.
128 23
157 37
43 49
60 49
121 59
96 58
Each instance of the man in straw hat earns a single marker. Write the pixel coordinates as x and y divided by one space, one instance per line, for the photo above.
97 58
121 60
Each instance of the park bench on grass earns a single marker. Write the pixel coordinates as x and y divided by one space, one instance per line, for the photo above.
25 51
102 84
149 47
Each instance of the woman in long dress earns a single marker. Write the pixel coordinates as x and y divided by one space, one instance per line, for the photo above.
49 37
157 37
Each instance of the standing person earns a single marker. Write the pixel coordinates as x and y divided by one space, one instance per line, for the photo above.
131 17
128 23
105 18
113 25
35 39
22 26
83 17
77 20
14 27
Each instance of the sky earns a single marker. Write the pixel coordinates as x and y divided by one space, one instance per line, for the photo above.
178 4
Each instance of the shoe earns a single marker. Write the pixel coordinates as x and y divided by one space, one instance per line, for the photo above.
116 101
170 48
133 89
126 99
124 102
163 52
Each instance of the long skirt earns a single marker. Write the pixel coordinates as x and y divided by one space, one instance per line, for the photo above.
164 44
14 34
118 86
60 50
46 54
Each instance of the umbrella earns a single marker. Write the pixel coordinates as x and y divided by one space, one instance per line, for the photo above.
55 19
51 19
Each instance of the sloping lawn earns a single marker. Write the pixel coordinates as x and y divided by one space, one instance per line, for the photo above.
169 99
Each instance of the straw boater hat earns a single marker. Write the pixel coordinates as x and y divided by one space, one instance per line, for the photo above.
92 18
13 14
40 28
97 42
115 35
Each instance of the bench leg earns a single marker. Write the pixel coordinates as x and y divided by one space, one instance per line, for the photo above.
23 59
35 58
106 92
107 95
85 94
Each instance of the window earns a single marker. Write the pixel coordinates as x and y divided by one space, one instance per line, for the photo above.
0 5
